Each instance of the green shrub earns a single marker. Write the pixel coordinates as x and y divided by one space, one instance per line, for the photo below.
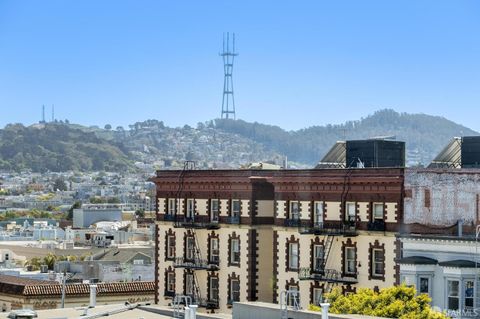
395 302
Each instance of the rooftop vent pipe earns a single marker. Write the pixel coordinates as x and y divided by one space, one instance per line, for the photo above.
460 227
93 296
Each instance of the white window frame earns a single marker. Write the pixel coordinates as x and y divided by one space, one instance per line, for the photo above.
233 292
190 253
293 256
350 261
236 211
464 294
291 297
318 210
172 206
294 210
350 215
214 291
429 283
170 281
189 284
170 247
317 257
214 250
450 295
317 296
214 212
235 251
376 263
190 212
376 214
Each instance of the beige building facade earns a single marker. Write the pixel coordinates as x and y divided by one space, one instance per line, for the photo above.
248 235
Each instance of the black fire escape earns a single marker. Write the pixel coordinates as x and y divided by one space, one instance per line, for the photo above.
192 260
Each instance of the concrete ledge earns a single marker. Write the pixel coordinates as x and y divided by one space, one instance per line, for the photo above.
263 310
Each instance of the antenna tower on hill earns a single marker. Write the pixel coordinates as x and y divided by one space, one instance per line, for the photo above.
228 54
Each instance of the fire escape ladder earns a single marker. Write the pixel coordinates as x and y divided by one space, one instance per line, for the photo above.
327 248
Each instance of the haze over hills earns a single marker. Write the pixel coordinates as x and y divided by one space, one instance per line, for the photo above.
215 144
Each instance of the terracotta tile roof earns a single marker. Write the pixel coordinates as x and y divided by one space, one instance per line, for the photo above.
32 287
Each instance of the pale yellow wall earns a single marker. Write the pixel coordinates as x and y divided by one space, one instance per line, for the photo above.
265 208
202 205
305 209
245 208
363 211
333 210
161 205
334 260
390 212
265 265
225 270
281 209
224 207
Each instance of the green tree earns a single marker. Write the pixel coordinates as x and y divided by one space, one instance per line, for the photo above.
75 205
60 185
34 263
395 302
140 213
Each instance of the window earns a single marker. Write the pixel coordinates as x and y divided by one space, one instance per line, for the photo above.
214 210
350 260
214 251
235 251
318 213
293 256
423 286
138 261
235 208
190 208
294 210
190 253
318 258
170 246
7 257
292 297
171 282
234 290
377 262
317 296
172 206
350 212
469 289
189 284
453 294
377 211
213 294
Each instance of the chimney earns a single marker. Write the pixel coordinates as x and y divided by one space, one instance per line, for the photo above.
93 296
460 227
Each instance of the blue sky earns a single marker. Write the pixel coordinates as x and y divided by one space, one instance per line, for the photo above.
301 63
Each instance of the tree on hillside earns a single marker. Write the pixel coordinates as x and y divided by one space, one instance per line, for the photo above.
59 185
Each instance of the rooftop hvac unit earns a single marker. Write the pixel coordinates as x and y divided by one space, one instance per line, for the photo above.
44 269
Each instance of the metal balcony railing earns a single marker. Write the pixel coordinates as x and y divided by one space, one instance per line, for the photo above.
233 220
292 222
169 217
328 275
197 222
195 264
320 228
377 225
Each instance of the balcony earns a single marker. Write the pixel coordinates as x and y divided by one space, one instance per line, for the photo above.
319 228
169 294
197 222
377 225
292 222
169 218
212 304
233 220
327 275
194 264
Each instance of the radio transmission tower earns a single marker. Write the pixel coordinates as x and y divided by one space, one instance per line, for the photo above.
228 54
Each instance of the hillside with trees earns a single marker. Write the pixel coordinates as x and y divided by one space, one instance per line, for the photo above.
214 144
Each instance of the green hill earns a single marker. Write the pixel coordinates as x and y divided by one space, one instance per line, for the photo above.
214 144
58 147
